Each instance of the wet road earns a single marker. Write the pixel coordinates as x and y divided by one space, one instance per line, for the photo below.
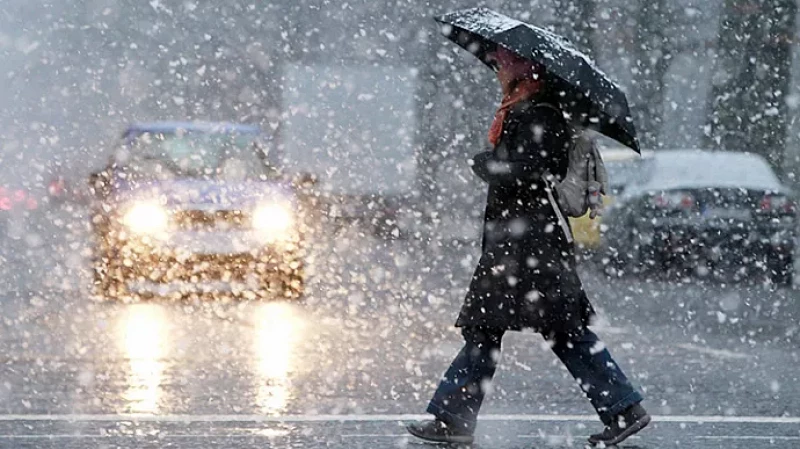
361 355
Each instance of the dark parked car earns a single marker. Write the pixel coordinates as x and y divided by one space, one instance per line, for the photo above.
714 213
187 208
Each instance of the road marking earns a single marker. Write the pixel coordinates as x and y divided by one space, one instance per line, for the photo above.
49 437
138 437
561 437
365 435
380 418
375 435
696 437
746 437
719 353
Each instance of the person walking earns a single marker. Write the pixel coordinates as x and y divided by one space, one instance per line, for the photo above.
526 277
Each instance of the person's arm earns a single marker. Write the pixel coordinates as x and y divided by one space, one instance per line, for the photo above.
495 171
537 139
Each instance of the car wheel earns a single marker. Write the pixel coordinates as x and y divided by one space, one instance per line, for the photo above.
108 282
781 269
610 261
109 279
283 284
630 260
293 285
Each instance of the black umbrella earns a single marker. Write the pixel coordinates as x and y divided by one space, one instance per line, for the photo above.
587 92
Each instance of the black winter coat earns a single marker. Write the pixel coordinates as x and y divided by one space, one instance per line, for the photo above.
526 275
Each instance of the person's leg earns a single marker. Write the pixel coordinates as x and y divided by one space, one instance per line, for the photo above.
461 391
599 376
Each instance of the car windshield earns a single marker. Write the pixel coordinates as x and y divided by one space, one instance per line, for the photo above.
199 155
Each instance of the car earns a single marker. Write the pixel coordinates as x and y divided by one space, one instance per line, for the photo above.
20 225
61 190
57 189
196 208
17 203
709 212
622 166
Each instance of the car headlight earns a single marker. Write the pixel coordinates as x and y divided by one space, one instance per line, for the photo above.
146 218
272 218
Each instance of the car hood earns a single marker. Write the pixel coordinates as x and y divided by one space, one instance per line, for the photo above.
202 194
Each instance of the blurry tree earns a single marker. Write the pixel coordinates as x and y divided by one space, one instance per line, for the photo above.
653 50
646 37
576 20
752 78
665 29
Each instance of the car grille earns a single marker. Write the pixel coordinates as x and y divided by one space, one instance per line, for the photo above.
218 219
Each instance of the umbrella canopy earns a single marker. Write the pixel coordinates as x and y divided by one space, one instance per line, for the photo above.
587 93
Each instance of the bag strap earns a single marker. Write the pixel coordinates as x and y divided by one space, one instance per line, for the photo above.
562 221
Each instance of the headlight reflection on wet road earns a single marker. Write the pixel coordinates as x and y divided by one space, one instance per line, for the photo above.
143 340
277 328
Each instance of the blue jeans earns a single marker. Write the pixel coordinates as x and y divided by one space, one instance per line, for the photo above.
458 399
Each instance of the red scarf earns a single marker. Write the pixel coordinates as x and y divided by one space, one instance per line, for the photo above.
523 90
